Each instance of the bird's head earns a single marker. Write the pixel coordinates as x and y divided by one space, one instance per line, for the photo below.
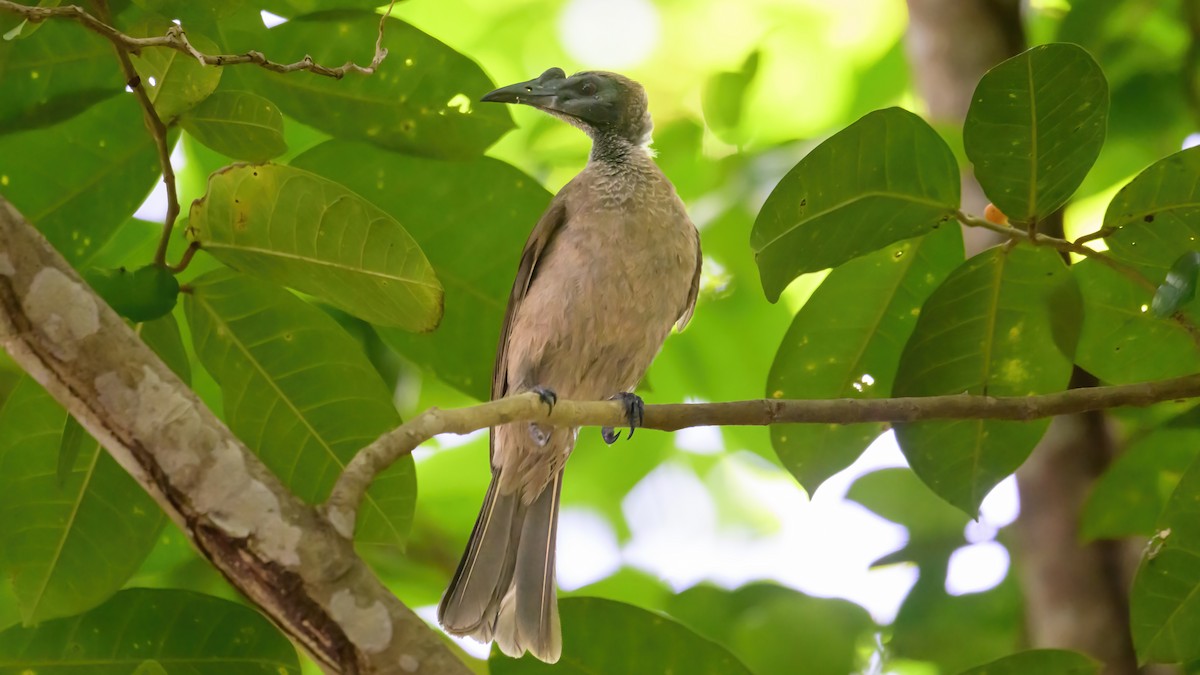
600 103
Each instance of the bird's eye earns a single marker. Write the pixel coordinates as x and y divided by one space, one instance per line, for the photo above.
588 88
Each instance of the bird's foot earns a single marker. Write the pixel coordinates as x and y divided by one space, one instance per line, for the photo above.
548 397
635 411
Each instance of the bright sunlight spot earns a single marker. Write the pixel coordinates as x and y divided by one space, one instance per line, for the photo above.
976 568
609 33
271 20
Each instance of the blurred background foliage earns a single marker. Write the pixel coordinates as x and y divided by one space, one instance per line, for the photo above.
872 573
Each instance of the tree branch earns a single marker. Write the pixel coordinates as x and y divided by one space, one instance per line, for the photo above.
176 38
358 474
273 547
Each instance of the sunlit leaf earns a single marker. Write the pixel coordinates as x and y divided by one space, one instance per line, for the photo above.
300 230
1165 599
183 631
67 547
1129 497
239 124
422 100
1005 323
884 178
1039 662
602 637
1179 288
299 392
1035 127
846 341
471 218
80 180
1156 217
55 74
1122 341
174 81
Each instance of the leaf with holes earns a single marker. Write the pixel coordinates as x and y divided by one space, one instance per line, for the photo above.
65 546
299 391
1005 323
184 631
441 204
886 177
1034 128
300 230
845 342
237 124
1156 217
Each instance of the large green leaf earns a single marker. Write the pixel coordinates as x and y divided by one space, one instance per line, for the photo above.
303 231
422 100
184 632
1129 497
471 218
1122 342
174 81
1005 323
886 177
65 546
1164 603
1039 662
239 124
1156 217
772 628
846 342
299 391
602 637
55 74
1034 128
80 180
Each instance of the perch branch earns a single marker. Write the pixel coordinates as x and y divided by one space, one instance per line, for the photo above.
269 544
176 38
348 491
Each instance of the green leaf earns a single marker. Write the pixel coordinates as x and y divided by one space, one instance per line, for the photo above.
150 667
184 632
724 96
1179 288
421 101
1122 342
1165 599
65 548
291 8
54 75
174 81
602 637
1131 494
886 177
144 294
162 335
68 448
1034 128
442 205
845 342
934 527
299 391
1039 662
80 180
303 231
1156 217
238 124
772 628
1005 323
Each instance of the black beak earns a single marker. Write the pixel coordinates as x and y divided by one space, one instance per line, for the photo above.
538 93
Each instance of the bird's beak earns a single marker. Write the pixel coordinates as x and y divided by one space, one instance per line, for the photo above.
539 92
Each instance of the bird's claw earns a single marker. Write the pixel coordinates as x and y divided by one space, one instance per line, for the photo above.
635 412
548 397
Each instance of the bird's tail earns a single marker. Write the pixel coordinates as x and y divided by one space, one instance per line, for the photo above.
504 588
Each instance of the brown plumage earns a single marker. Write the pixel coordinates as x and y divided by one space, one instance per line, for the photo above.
611 266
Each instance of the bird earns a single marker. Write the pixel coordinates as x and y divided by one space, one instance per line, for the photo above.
609 269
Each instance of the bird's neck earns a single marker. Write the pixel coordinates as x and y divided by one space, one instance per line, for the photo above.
616 151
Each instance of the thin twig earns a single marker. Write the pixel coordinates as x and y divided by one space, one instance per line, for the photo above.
1098 234
361 471
186 258
176 38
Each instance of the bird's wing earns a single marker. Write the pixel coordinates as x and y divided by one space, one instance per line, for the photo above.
549 225
689 305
